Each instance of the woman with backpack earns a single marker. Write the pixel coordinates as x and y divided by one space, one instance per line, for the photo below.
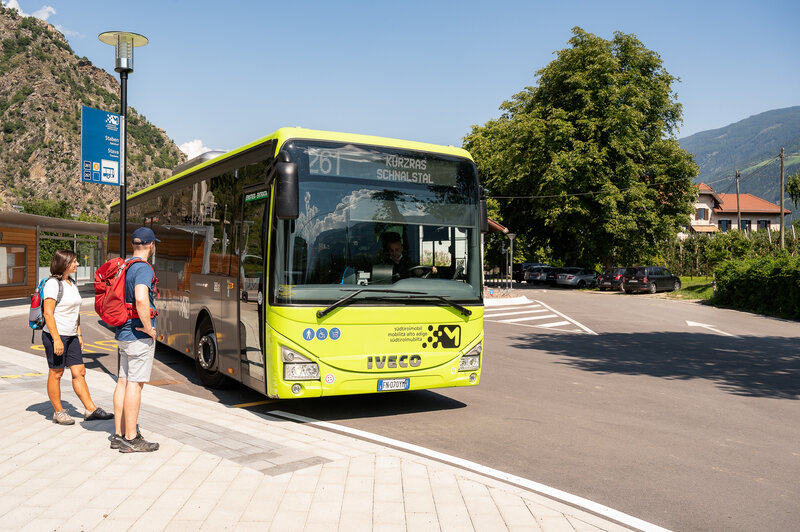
62 339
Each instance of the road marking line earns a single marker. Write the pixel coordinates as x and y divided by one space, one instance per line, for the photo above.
555 324
587 329
542 326
256 403
20 376
514 307
529 318
542 489
493 315
101 347
710 328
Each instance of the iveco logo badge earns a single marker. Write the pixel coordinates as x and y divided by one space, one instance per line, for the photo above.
394 361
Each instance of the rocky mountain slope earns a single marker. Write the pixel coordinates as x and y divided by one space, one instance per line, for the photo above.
43 86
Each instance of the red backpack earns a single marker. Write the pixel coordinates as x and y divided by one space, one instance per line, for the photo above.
109 292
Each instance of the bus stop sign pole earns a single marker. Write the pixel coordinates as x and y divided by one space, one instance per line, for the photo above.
123 42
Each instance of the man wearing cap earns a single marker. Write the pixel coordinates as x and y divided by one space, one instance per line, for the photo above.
137 346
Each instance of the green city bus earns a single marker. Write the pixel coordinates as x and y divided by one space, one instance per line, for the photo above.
273 268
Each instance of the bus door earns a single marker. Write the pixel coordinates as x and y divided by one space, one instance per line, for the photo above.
251 252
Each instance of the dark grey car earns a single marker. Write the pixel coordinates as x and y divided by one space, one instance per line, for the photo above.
650 279
611 279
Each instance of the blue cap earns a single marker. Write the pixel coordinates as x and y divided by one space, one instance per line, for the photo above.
144 235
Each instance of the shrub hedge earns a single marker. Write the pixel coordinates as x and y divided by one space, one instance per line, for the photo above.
768 285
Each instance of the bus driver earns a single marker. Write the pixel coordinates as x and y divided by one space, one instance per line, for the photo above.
401 264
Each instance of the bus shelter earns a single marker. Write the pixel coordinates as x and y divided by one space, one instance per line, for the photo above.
27 244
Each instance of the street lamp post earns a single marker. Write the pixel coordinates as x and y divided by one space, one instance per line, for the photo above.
511 259
123 42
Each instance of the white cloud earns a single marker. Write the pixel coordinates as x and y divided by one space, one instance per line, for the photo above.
193 148
13 4
43 13
68 33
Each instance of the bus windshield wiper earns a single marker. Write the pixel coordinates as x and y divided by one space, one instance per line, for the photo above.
410 295
348 297
464 310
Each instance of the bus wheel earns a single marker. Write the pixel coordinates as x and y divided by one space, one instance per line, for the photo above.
205 356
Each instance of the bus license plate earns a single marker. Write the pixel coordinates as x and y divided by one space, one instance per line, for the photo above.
385 385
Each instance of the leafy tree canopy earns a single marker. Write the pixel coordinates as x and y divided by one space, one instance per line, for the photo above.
590 155
793 187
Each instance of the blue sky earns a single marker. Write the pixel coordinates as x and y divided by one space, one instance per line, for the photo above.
225 73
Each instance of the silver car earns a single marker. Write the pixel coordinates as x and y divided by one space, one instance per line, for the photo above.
578 277
537 274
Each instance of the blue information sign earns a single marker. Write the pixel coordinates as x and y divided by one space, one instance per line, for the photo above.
100 147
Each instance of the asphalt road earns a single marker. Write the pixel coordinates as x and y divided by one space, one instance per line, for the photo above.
688 426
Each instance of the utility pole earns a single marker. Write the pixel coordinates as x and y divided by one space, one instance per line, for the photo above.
738 208
783 245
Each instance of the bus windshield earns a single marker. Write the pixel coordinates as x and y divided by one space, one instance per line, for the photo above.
381 217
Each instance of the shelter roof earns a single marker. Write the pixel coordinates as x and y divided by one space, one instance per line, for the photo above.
53 225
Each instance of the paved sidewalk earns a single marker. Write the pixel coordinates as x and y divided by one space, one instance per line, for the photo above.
224 468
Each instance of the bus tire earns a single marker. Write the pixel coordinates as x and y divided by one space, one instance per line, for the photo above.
206 357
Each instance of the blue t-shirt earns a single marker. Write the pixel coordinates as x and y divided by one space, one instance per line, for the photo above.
139 273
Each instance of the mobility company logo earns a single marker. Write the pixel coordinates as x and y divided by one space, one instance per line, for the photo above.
446 336
112 123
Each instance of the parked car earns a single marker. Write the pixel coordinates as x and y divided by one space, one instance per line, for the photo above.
537 274
552 275
649 279
611 279
518 270
577 277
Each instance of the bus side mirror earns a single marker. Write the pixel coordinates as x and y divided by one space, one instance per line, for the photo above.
484 216
287 192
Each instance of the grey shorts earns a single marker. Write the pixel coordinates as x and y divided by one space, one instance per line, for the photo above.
136 359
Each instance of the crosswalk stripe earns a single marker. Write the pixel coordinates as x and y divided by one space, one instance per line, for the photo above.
512 307
533 307
555 324
518 312
529 318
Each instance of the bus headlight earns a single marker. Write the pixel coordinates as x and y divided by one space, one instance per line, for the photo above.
297 367
472 360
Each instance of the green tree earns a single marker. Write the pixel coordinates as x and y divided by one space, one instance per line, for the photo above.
793 187
590 154
48 207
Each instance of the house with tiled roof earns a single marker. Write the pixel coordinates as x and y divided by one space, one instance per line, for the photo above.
715 212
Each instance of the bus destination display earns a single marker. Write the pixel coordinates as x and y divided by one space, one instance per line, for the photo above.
352 161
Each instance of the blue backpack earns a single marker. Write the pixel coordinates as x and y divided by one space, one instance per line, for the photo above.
36 314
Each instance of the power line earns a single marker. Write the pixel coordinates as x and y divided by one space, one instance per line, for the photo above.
754 173
576 194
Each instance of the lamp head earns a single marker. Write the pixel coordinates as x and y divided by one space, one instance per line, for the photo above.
123 42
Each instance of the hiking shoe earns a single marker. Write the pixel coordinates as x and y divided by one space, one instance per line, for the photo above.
137 445
62 418
116 439
98 413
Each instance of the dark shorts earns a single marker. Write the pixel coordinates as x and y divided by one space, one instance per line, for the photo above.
72 355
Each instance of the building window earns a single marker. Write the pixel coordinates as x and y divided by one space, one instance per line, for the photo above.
13 265
724 225
745 225
763 224
701 214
